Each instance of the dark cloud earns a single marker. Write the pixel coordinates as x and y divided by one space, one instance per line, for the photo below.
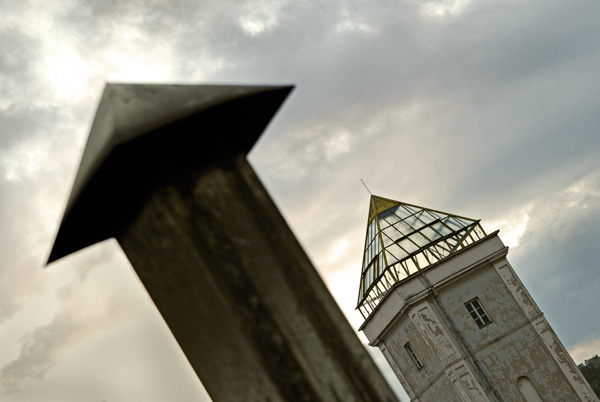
556 259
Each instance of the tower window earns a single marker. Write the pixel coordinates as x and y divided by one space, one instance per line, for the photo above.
413 356
478 313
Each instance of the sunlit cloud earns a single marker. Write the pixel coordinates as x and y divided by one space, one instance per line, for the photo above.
512 227
24 161
344 287
338 249
347 25
260 17
66 71
337 144
256 26
585 350
582 193
151 67
444 8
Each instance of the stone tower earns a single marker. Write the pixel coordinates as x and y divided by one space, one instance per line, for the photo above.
451 316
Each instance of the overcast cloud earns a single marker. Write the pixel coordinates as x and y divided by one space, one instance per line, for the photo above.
487 109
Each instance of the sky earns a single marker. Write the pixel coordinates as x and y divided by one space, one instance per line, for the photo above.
481 108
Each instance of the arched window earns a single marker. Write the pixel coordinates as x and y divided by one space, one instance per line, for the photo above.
528 391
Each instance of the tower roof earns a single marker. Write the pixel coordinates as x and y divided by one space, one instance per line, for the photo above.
402 239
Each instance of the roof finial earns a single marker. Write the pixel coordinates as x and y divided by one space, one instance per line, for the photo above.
361 180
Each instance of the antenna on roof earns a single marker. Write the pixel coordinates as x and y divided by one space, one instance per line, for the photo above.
361 180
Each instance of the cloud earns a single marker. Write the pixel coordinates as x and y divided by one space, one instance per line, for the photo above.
445 8
41 348
486 109
84 310
512 226
585 350
556 258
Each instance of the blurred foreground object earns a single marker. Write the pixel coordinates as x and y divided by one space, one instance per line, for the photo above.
165 173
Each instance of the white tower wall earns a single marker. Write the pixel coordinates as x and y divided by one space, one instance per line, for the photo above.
465 329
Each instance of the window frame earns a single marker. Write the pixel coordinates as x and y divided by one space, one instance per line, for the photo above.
413 356
478 313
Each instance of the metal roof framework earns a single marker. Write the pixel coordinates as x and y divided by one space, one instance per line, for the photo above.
403 239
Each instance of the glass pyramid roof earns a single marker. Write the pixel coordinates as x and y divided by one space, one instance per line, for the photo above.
403 239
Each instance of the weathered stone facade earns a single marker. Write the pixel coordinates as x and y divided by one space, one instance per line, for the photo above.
466 329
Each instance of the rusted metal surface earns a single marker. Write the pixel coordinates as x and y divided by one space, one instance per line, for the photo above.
228 276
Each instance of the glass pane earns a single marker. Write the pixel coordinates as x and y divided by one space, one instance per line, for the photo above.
400 212
387 240
387 218
453 243
400 271
452 223
395 253
410 265
428 257
369 277
464 222
404 228
443 249
389 274
423 263
442 229
466 240
393 233
384 281
425 217
419 239
381 261
437 214
409 246
371 251
413 222
434 254
430 233
479 232
373 228
412 210
446 247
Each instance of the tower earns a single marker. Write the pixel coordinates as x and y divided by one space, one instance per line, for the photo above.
450 315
